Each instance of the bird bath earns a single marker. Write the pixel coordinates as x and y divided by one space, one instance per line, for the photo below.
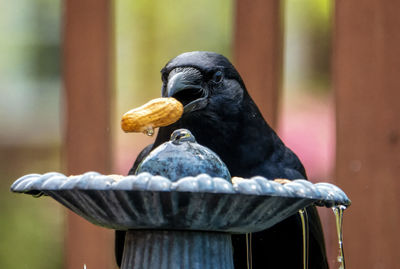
179 222
182 224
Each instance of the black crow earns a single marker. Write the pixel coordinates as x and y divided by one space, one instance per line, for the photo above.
222 116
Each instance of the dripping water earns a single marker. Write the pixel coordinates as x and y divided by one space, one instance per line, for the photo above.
338 211
304 225
249 251
149 131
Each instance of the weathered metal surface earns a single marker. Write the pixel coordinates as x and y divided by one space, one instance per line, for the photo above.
202 203
177 249
183 156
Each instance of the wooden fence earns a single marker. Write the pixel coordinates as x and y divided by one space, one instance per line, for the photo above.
367 90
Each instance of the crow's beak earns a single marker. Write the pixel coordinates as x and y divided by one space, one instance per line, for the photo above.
186 86
180 82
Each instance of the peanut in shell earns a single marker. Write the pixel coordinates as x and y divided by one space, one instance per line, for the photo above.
158 112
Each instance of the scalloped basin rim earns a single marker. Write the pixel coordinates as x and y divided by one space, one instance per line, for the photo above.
201 203
326 194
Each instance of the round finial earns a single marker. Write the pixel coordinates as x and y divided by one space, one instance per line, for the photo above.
182 135
181 157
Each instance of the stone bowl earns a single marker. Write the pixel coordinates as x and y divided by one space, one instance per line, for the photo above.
200 203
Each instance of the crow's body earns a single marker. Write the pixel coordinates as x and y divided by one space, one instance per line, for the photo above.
223 117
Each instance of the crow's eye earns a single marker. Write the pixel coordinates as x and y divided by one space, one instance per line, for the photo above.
218 76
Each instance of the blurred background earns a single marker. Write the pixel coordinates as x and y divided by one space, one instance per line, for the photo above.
30 131
146 35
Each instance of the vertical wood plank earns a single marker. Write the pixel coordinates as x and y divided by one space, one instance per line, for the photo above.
87 143
258 52
367 83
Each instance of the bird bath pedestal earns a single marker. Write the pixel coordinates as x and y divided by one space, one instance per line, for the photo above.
181 224
177 249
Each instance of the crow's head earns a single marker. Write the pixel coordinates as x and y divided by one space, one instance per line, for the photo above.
217 108
218 111
203 81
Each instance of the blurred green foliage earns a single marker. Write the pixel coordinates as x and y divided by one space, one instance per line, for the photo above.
150 32
31 231
308 48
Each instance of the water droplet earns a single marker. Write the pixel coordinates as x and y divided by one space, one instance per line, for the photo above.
249 251
338 211
304 226
149 131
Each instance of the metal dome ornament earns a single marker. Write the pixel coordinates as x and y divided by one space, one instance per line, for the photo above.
181 206
183 156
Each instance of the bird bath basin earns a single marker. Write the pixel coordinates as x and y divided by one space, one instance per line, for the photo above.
181 224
